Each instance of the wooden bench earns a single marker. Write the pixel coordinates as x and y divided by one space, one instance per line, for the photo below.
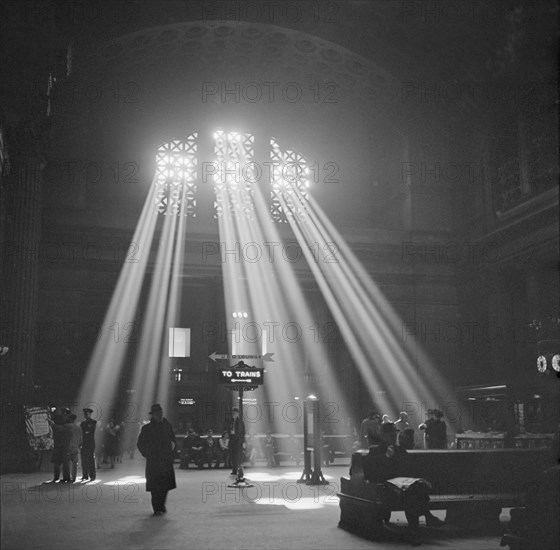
288 448
291 448
339 446
471 485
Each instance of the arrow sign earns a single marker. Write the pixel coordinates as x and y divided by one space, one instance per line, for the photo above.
215 356
265 357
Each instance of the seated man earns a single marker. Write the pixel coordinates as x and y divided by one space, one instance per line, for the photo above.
387 465
250 453
211 450
192 451
224 449
270 450
295 449
327 449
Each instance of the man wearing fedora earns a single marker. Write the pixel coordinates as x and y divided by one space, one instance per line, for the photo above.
156 443
88 445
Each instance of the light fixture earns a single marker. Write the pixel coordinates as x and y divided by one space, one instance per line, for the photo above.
541 363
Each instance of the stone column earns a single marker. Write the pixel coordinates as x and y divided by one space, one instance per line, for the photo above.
20 310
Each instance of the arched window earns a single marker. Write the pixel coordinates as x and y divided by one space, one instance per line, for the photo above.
289 182
234 172
234 177
176 177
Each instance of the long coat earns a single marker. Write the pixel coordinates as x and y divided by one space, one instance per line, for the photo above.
436 434
155 444
88 434
62 434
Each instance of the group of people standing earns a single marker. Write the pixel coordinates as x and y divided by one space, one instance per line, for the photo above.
377 429
156 442
71 439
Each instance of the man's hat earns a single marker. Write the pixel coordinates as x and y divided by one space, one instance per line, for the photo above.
88 410
235 409
155 408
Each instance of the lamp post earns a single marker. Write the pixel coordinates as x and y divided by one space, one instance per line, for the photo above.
312 443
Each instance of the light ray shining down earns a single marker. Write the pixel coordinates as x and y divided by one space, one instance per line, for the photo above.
370 325
150 379
102 377
272 293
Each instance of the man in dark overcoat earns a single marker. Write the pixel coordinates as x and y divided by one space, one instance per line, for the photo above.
236 429
435 429
61 436
88 446
156 443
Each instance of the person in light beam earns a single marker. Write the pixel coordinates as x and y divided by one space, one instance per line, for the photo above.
370 429
156 443
236 429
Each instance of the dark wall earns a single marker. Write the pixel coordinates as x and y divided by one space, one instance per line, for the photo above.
448 198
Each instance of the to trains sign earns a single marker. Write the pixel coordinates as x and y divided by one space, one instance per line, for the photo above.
249 376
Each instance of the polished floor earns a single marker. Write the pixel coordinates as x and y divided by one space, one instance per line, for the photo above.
203 512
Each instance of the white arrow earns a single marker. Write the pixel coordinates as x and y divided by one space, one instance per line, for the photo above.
215 356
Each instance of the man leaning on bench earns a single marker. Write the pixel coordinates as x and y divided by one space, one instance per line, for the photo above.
471 485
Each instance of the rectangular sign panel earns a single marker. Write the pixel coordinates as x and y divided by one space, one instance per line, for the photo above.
179 342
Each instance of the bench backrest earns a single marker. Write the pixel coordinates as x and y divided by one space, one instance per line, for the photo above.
492 471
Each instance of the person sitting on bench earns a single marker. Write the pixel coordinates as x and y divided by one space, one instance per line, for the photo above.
192 450
387 465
